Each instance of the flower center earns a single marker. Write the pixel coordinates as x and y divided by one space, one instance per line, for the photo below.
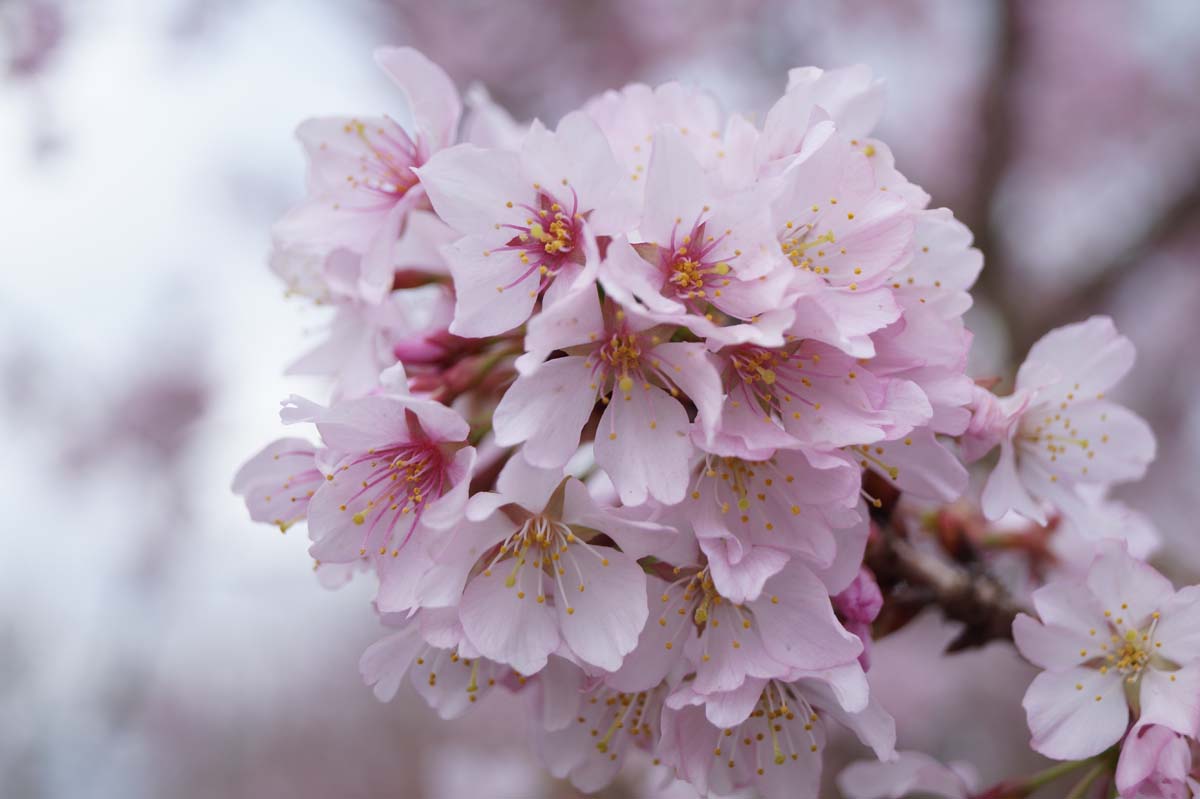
402 480
694 265
618 719
387 172
552 549
547 239
796 241
694 599
737 483
781 715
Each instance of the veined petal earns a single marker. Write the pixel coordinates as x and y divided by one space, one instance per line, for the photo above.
602 614
506 622
1077 713
642 443
547 410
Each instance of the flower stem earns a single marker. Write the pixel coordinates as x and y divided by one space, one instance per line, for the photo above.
1082 786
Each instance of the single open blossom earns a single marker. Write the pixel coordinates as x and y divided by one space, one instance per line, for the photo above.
789 626
809 394
631 366
361 183
703 258
428 647
770 734
401 463
1155 764
846 238
587 729
912 774
1057 431
528 219
751 517
537 578
1119 642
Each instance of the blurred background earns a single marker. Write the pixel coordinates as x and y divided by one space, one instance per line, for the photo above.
155 643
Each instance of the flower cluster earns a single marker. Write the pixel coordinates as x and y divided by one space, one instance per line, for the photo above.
614 402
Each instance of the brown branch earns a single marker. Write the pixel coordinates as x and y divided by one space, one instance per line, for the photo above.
912 580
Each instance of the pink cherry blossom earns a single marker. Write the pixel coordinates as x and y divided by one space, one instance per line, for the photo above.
789 625
361 182
592 730
1120 641
401 463
846 238
812 395
1057 431
528 219
769 734
752 516
632 118
428 649
539 581
642 378
704 258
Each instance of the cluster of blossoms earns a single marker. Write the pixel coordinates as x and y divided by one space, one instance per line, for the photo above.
613 404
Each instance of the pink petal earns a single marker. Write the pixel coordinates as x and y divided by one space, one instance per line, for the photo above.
1172 699
547 410
611 610
493 293
432 98
1067 720
518 631
642 443
1004 490
470 188
1053 647
1130 588
800 629
1179 626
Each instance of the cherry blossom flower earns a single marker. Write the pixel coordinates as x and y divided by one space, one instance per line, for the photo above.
1057 431
704 258
809 394
528 219
402 463
633 117
790 625
751 517
846 238
361 182
1116 642
769 734
537 577
428 647
588 729
631 366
